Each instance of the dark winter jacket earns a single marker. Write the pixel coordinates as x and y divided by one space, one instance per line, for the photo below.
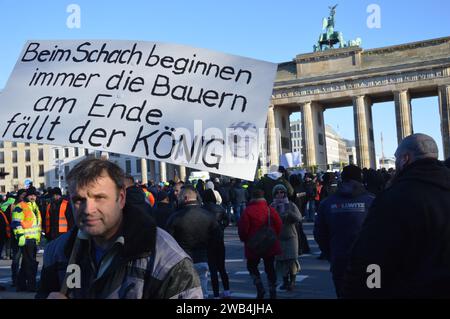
219 214
238 194
161 213
268 182
136 196
339 221
194 228
255 216
145 262
407 234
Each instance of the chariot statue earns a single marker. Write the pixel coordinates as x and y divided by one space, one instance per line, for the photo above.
331 38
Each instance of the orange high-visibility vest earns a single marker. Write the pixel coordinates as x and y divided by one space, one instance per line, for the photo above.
62 221
8 227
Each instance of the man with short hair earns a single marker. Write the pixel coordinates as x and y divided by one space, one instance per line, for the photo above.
119 251
403 249
194 228
339 220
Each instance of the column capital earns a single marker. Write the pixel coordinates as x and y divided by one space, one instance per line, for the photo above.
444 87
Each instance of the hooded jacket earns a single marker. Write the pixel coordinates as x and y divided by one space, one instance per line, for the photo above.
339 221
145 262
268 182
406 234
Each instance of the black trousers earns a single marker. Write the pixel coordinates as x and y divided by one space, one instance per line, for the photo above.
216 263
269 268
28 269
16 255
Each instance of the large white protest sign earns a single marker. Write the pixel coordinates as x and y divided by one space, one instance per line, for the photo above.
166 102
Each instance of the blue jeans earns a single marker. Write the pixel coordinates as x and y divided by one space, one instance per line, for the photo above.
202 271
238 209
310 210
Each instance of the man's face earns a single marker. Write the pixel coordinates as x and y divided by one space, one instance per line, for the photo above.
176 190
98 207
31 198
56 197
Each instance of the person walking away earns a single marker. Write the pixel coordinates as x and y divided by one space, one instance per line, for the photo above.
162 210
216 253
406 233
287 264
195 229
255 216
238 196
311 192
339 220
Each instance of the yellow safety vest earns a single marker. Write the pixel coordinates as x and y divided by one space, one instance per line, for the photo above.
29 217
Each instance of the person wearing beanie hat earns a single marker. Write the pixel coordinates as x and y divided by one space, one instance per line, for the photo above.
210 185
162 209
26 227
286 264
339 220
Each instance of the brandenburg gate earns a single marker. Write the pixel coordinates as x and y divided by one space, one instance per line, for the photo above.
350 76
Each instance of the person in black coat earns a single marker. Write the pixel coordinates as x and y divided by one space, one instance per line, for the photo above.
216 253
403 249
163 210
195 229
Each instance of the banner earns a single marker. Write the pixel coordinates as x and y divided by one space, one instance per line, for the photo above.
165 102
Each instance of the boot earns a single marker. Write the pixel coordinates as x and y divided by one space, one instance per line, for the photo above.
291 282
259 288
285 285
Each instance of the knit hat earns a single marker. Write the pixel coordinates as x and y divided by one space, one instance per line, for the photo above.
161 196
32 191
352 172
209 185
278 187
56 191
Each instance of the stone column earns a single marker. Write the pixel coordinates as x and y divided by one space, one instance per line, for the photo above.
444 111
403 114
282 125
182 170
162 176
152 170
308 146
144 178
272 137
362 113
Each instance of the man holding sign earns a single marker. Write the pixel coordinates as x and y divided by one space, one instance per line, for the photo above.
114 252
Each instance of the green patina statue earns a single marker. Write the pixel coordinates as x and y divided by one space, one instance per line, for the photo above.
330 38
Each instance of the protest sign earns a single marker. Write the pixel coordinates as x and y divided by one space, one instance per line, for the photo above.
166 102
290 159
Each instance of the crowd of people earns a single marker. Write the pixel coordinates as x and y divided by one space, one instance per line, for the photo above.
162 240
